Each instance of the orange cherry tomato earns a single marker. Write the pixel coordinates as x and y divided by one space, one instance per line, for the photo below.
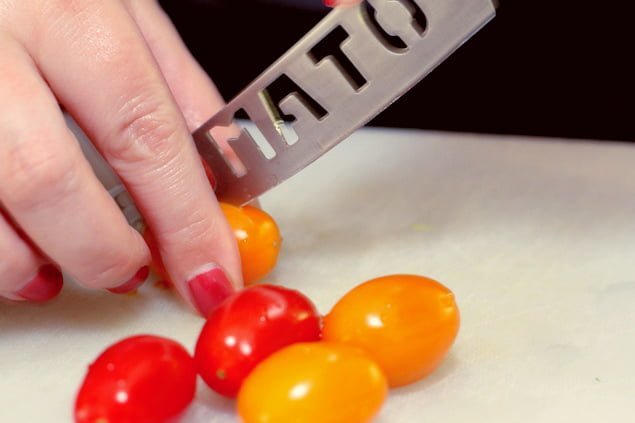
405 322
258 240
313 383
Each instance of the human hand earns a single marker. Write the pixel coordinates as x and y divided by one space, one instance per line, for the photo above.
120 69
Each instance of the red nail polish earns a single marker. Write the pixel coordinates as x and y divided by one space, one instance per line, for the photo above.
45 285
137 280
329 3
210 289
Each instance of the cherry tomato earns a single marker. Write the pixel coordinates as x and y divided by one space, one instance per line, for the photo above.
156 266
139 379
406 322
258 240
249 326
313 383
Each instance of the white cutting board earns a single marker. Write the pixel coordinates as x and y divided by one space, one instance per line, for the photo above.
535 237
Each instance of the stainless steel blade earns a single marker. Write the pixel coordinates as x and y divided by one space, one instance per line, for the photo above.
346 70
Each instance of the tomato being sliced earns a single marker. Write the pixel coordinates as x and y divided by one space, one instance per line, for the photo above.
406 322
257 236
141 379
258 240
249 326
313 383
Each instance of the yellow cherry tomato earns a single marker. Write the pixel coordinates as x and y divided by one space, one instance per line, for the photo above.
319 382
258 240
407 323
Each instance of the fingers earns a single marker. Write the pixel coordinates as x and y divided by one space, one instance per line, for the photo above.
198 99
24 275
50 191
194 92
120 99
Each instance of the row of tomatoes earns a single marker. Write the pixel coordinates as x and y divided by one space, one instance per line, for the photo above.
269 347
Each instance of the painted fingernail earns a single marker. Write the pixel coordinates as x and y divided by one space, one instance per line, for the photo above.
209 289
335 3
137 280
45 285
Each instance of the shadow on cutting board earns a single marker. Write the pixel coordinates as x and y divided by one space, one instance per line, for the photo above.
79 309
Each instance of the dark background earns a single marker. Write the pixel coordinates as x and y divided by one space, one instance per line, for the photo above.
542 67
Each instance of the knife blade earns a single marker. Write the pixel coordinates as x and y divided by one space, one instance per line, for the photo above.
346 70
351 66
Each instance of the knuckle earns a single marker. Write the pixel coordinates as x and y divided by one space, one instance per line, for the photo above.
34 175
147 131
109 271
189 236
196 228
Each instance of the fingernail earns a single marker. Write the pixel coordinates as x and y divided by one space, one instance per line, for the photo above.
45 285
329 3
209 289
137 280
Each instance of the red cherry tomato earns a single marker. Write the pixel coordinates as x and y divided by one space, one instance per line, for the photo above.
406 322
139 379
247 328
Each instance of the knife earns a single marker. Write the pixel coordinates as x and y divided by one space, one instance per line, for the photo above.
352 65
